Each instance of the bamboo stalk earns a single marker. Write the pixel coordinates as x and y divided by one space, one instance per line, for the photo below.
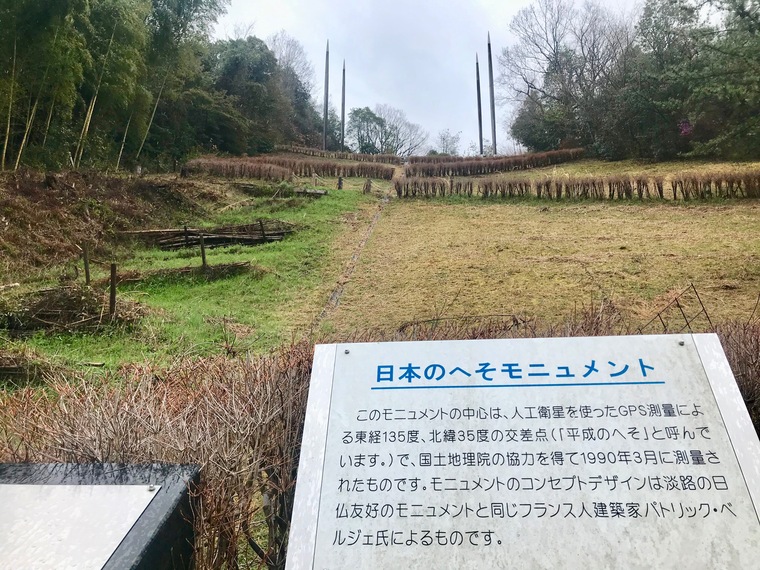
33 112
124 141
10 107
152 116
49 118
91 109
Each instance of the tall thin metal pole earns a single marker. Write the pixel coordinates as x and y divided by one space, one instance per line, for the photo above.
327 92
493 104
343 111
480 110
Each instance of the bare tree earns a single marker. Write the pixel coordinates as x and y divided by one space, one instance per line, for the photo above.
291 55
542 30
448 142
399 135
566 62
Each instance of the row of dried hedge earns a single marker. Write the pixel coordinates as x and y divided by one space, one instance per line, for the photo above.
329 168
280 168
439 158
686 186
241 420
357 157
483 166
237 168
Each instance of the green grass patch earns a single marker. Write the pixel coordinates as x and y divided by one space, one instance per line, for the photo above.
190 315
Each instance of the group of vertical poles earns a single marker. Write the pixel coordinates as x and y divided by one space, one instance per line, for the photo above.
343 101
492 99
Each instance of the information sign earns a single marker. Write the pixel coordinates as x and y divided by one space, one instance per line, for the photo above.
613 452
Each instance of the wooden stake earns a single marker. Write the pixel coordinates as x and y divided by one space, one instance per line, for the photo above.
86 257
203 252
112 299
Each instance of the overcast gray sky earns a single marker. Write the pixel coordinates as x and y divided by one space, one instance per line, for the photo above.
415 55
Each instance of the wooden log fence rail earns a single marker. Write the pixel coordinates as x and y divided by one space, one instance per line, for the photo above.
259 232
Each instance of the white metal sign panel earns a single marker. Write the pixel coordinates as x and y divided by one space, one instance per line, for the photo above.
614 452
61 527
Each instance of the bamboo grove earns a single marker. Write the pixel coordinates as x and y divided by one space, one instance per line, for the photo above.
116 83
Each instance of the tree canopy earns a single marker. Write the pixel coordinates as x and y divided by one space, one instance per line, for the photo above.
386 130
112 83
681 78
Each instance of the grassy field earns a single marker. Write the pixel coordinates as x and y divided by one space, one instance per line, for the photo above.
594 167
170 392
278 298
537 259
424 259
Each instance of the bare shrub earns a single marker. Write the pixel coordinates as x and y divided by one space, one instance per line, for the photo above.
477 166
307 167
241 420
67 308
684 185
237 168
741 341
357 157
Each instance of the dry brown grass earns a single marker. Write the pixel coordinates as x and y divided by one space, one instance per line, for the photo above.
427 258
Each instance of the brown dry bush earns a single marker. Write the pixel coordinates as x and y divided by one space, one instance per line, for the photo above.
716 183
686 185
741 341
329 168
22 367
482 166
440 158
241 420
427 187
45 219
66 308
357 157
237 168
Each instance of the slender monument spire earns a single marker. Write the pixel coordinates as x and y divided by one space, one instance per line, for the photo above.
327 92
493 104
343 111
480 110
